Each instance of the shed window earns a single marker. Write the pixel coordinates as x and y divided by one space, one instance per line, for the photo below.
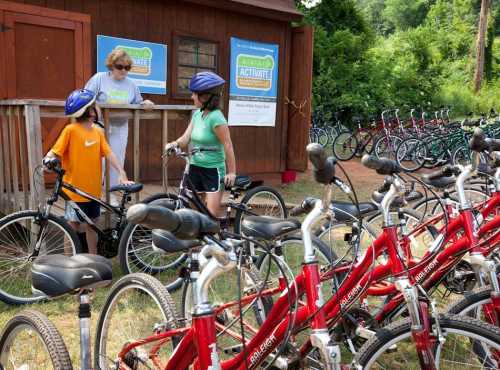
194 56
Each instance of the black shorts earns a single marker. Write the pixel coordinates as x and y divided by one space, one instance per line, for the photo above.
206 180
92 209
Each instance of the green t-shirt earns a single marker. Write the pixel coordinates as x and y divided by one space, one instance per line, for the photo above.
203 136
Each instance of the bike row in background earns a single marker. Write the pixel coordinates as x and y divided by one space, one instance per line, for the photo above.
419 141
354 283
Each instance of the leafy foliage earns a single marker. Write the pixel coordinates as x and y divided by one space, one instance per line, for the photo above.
374 54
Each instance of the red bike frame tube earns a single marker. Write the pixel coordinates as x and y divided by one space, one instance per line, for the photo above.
313 291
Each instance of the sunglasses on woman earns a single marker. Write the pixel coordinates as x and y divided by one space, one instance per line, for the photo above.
120 67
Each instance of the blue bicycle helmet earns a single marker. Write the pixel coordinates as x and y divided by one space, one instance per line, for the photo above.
78 102
205 81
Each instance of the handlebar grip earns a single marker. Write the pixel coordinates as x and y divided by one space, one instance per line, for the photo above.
383 166
446 171
305 207
478 142
493 144
317 155
323 167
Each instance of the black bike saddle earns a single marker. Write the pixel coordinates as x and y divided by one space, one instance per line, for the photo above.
56 274
133 188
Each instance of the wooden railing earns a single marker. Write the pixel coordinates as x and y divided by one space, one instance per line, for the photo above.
21 144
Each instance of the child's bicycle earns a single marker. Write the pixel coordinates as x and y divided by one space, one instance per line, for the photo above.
25 235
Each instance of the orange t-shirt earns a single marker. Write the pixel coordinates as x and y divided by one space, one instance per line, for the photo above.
81 150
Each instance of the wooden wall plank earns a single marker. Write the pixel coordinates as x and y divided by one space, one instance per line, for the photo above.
14 151
7 161
137 151
23 149
3 122
34 145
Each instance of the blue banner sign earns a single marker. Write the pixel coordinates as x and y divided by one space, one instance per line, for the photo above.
253 86
149 69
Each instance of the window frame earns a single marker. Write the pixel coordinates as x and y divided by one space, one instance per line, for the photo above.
177 36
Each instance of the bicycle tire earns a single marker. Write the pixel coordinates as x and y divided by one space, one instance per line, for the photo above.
34 322
147 303
345 146
411 154
470 303
15 266
145 259
365 143
386 146
276 209
391 336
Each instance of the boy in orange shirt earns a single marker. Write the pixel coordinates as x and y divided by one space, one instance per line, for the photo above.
81 147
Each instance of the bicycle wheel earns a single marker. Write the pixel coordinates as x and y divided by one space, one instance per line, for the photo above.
323 137
292 248
344 146
136 305
393 346
411 154
386 146
21 234
30 341
365 143
260 201
476 304
136 252
461 155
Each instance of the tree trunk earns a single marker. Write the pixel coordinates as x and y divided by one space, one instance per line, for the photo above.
483 23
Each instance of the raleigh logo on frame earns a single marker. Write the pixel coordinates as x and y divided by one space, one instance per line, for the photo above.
254 72
142 59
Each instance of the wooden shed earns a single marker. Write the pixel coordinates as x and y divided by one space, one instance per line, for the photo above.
49 48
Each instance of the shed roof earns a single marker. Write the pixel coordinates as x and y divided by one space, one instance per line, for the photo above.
283 10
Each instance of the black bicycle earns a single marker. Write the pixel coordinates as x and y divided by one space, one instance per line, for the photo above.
25 235
138 254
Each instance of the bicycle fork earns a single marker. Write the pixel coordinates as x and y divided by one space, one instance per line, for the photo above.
422 333
320 337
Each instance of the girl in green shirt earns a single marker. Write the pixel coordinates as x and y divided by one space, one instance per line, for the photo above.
208 129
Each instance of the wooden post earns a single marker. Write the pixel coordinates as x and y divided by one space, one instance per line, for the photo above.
2 160
105 113
7 162
137 150
164 141
13 157
34 136
21 130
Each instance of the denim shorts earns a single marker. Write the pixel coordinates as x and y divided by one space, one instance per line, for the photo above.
92 209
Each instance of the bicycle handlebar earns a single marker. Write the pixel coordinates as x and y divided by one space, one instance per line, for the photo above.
184 223
383 166
323 167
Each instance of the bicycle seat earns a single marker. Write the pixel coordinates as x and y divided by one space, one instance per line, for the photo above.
345 211
240 183
134 188
167 242
264 227
440 183
56 274
399 201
